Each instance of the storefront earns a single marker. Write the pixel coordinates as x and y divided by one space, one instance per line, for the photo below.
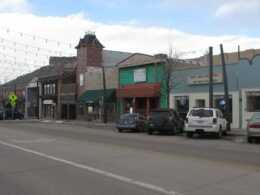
140 85
243 86
250 103
49 108
140 98
91 105
49 98
183 102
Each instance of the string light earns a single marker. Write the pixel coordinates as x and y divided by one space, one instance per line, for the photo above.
34 37
33 47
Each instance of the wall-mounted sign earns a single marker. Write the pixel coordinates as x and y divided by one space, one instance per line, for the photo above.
253 93
140 75
201 79
47 101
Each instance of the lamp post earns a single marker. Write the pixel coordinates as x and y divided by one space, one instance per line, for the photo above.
104 96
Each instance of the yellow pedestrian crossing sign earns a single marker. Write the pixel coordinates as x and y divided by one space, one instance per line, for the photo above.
12 99
13 104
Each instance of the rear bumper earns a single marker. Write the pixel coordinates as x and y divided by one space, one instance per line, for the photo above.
253 132
122 126
151 126
200 128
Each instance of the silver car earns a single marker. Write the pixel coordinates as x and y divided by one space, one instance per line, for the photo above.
253 127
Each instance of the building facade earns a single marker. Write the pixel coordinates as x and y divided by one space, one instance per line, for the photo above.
96 71
243 85
140 84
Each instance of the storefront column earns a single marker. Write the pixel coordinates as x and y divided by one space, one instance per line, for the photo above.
147 106
133 106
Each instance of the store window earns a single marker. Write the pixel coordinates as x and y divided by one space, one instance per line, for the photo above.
111 108
253 101
200 103
182 105
219 102
90 108
50 89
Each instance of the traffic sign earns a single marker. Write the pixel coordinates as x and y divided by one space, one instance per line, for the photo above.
12 98
13 104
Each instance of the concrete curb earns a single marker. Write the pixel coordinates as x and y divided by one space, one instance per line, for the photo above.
109 126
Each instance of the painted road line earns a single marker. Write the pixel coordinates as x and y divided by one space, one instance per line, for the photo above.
34 141
97 171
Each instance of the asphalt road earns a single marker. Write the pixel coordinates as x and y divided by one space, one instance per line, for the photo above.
45 158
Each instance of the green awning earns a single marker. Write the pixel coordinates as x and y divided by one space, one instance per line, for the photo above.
93 96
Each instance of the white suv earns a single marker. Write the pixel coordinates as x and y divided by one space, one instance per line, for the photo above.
205 120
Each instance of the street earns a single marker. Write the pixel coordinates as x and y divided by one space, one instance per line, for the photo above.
47 158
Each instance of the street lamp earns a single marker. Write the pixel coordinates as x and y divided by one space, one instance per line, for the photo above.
104 96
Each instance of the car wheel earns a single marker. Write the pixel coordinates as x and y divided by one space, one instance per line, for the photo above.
174 130
219 133
224 133
120 130
249 139
189 134
140 129
150 132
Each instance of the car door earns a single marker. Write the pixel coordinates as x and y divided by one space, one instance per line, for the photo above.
142 120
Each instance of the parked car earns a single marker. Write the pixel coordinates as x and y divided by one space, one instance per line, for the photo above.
16 114
131 121
205 120
253 127
165 121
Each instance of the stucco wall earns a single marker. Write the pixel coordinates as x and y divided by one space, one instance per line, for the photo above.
94 79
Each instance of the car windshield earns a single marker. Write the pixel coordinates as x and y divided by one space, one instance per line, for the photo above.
129 116
159 113
201 113
256 117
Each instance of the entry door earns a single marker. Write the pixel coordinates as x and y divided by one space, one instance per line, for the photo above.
128 104
200 103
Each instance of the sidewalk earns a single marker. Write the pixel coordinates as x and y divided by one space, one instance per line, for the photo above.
99 124
91 124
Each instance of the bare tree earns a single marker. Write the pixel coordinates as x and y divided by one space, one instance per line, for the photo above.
169 81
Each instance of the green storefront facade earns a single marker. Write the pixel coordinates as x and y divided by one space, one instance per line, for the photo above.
141 84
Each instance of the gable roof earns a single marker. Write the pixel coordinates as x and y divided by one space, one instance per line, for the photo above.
112 58
138 59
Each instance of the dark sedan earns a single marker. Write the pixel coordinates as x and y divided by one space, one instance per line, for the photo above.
131 121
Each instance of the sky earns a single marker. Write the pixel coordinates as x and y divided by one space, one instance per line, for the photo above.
189 27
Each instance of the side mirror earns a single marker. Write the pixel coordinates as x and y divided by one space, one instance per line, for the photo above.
247 120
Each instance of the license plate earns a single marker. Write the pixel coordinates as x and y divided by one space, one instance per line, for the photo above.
151 125
200 122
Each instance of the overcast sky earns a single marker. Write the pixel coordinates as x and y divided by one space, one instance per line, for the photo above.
146 26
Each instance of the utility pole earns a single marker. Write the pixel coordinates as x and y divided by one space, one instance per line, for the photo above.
104 96
227 111
210 76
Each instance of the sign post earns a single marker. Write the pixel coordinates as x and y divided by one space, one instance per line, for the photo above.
12 99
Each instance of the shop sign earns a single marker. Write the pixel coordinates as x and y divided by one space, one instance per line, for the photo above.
140 75
201 79
48 102
253 93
